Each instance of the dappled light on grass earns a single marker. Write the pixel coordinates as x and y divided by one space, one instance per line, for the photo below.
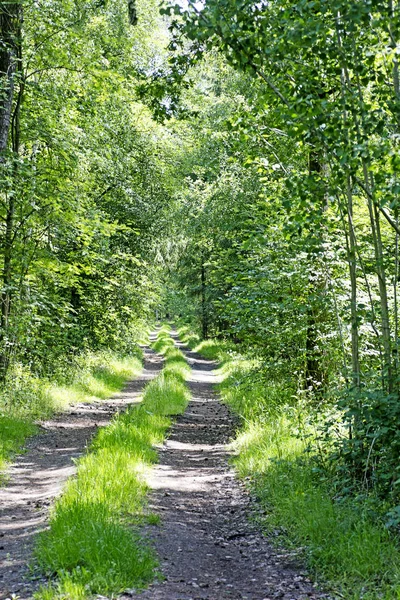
13 432
102 376
211 349
257 445
93 545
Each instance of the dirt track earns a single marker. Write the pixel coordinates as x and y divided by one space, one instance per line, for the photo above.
207 546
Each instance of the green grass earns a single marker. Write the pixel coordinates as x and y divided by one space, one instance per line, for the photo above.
344 547
188 337
13 433
93 545
99 377
26 399
163 341
212 349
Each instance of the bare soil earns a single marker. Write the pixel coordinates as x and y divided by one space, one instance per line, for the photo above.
209 547
37 477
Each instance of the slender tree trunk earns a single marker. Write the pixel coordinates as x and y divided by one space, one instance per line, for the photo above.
393 45
351 250
10 32
315 373
355 356
204 316
396 88
6 293
359 117
396 303
381 272
373 208
10 67
133 16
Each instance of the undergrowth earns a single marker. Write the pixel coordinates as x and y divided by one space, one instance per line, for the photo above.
25 398
93 545
219 350
344 543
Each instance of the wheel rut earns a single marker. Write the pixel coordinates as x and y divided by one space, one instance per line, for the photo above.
37 477
208 548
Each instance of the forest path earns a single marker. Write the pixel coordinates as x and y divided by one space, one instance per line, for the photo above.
37 477
208 548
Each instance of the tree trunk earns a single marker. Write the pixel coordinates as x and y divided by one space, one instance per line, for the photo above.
359 115
6 293
10 34
133 17
393 45
355 354
204 316
10 66
315 372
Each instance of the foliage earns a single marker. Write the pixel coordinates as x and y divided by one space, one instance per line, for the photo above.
81 195
230 163
80 186
289 204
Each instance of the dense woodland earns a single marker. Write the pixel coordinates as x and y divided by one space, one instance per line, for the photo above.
231 164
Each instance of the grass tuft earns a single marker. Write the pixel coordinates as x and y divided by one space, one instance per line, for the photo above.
13 433
210 349
188 337
98 378
163 342
94 549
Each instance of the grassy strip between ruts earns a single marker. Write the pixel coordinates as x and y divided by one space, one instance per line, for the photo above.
93 545
343 545
26 399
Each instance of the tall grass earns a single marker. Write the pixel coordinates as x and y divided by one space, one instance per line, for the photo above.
26 399
93 545
344 545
